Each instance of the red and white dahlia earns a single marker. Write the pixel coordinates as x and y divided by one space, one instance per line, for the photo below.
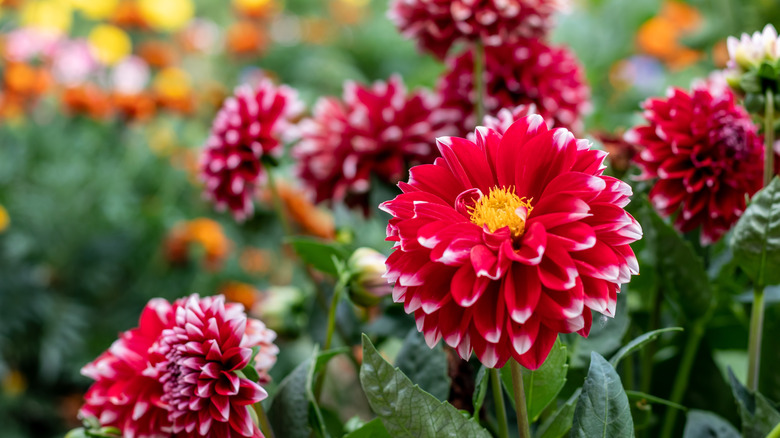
380 130
123 396
248 127
504 118
522 73
200 357
507 241
705 155
438 24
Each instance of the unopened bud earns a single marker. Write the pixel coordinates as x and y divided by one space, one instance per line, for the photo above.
367 285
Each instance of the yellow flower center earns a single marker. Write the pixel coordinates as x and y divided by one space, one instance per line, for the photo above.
502 208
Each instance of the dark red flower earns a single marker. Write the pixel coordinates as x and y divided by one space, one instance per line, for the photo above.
438 24
705 155
377 131
249 126
522 73
507 241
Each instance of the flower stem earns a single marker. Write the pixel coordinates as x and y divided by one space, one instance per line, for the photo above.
277 200
523 429
334 303
684 373
769 137
479 82
498 399
754 342
265 425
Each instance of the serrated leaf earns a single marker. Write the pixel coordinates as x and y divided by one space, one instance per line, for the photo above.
541 385
405 409
703 424
559 424
318 253
638 342
423 365
480 390
756 238
758 414
602 409
372 429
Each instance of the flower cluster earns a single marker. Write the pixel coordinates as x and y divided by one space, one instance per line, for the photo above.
507 241
754 66
178 372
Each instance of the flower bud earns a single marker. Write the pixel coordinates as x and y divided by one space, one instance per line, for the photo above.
367 285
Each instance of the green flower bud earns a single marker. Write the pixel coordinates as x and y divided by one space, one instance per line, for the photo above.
367 286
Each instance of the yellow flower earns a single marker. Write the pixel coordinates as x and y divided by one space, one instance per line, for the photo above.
167 15
96 9
172 83
110 43
53 15
5 220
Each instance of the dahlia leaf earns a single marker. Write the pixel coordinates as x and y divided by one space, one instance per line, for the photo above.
373 429
541 385
639 342
480 390
425 366
756 239
602 409
707 424
319 254
606 335
759 415
405 409
559 424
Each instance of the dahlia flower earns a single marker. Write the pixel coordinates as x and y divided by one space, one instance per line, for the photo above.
248 127
507 241
504 118
379 130
750 51
527 72
705 156
438 24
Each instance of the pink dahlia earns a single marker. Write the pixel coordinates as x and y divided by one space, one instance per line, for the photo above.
247 128
705 156
123 396
375 131
201 356
522 73
507 241
438 24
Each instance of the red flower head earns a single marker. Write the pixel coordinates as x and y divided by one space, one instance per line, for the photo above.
706 155
200 359
504 118
247 128
526 72
438 24
378 131
123 396
505 242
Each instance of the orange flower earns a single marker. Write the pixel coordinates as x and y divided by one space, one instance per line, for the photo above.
159 54
241 293
348 12
660 36
255 260
173 90
128 14
11 106
87 99
300 210
134 106
257 8
26 80
206 233
245 37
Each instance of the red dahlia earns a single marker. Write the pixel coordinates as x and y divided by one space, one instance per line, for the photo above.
200 359
248 127
505 242
504 118
438 24
123 396
705 155
522 73
375 131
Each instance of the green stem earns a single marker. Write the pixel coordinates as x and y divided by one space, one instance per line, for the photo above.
769 138
754 343
265 425
479 82
523 429
684 373
498 399
334 303
277 200
648 353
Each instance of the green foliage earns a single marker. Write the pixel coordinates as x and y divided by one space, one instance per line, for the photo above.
703 424
602 409
480 390
405 409
756 238
425 366
559 424
638 343
373 429
759 415
319 254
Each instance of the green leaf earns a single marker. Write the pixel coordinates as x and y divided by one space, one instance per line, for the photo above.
318 253
372 429
638 342
480 390
542 385
559 424
79 432
424 366
602 409
703 424
758 414
756 238
605 336
638 395
405 409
